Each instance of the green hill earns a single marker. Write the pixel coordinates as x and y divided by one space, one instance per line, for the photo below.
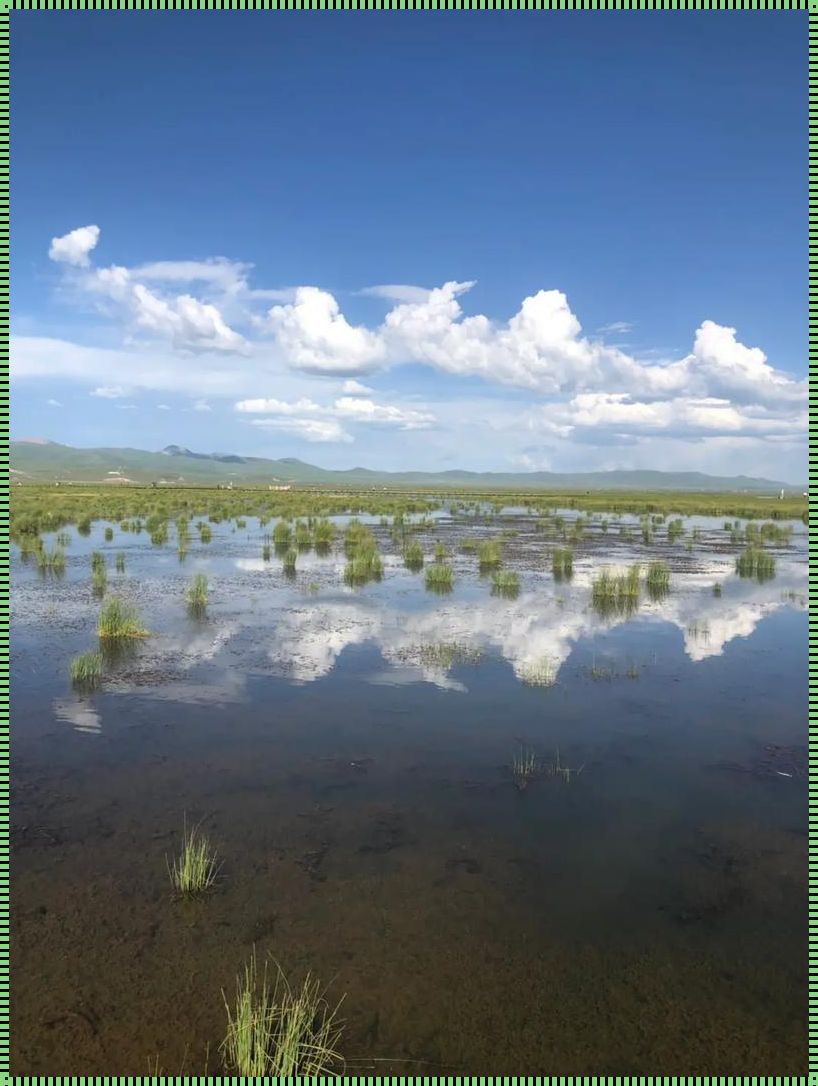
37 460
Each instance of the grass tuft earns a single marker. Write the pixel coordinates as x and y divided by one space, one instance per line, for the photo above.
439 577
86 670
118 619
196 592
281 1032
196 868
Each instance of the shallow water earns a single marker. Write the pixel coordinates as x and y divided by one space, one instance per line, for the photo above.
349 753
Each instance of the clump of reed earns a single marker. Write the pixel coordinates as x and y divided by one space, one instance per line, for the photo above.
31 545
86 670
524 767
489 554
97 561
323 534
278 1031
563 772
288 561
439 577
717 589
205 532
562 564
363 566
266 552
616 593
196 868
282 534
413 556
62 539
675 528
84 526
52 561
779 534
196 593
756 562
505 582
440 552
119 563
118 619
468 546
657 580
99 581
109 534
303 536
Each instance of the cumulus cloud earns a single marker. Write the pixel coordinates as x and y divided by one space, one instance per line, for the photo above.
316 337
349 408
202 405
74 248
352 387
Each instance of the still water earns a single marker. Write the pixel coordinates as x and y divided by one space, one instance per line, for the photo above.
349 753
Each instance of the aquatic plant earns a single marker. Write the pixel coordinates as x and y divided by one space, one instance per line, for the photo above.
99 581
196 592
756 562
282 534
562 564
86 669
365 565
324 533
717 589
440 552
97 561
109 534
280 1031
563 772
489 554
52 561
62 539
196 868
413 556
118 619
84 526
288 560
540 672
439 577
119 563
303 536
615 593
675 528
524 767
657 579
468 546
505 582
266 552
205 533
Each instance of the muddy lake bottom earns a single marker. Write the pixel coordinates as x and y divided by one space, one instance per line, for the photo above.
348 752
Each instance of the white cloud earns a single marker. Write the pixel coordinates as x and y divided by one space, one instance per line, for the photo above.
615 328
355 388
109 392
397 292
125 406
162 407
74 248
54 403
202 405
314 335
309 429
351 409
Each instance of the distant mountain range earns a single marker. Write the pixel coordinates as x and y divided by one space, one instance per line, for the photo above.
38 460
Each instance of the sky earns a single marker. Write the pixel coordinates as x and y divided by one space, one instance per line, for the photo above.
492 240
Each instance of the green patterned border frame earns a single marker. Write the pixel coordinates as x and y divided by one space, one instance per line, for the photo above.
6 7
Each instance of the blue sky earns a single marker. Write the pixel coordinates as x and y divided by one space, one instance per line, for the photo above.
490 240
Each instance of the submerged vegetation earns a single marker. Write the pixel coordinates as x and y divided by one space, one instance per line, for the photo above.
524 767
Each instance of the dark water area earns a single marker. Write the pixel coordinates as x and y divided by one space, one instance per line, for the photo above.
348 752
